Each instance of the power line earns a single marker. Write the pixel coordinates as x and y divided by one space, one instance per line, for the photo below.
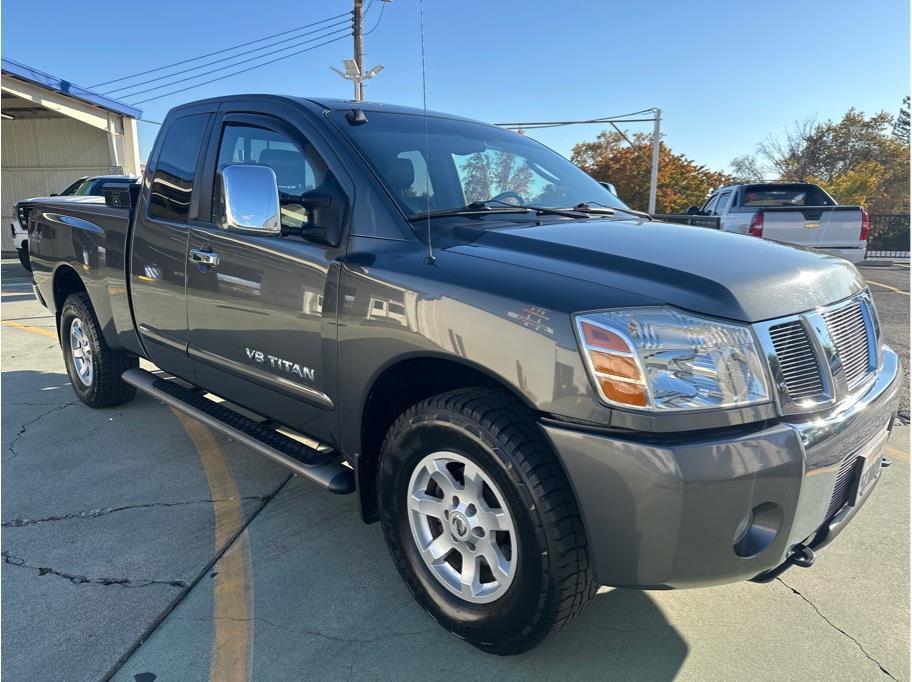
620 118
344 31
250 68
218 61
227 49
377 23
537 126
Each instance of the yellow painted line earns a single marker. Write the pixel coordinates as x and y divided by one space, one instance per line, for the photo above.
897 454
887 286
43 331
232 600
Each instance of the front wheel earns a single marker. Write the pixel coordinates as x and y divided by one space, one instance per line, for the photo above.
481 521
94 368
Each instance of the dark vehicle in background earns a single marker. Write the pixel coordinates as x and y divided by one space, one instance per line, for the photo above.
533 388
85 186
92 185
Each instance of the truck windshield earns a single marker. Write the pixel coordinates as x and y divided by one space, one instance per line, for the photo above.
462 162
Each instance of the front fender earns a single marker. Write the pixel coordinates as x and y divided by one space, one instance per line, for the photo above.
511 324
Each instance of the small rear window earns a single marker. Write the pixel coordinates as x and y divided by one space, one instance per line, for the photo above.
172 185
784 195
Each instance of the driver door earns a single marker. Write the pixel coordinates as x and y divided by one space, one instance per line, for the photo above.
260 311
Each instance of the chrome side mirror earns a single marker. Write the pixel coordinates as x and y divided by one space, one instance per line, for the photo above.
250 200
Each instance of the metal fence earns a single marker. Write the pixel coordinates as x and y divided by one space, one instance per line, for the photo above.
889 236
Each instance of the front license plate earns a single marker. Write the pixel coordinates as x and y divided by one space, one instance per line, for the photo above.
868 468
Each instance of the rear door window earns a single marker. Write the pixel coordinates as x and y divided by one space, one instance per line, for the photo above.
722 203
172 184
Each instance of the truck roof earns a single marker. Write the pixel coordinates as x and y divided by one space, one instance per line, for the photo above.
328 104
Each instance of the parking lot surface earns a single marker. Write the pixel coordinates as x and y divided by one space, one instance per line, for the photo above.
140 545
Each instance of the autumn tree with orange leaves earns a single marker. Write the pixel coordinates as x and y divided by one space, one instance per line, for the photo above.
682 182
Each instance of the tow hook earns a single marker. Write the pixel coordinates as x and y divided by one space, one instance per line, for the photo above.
803 556
884 462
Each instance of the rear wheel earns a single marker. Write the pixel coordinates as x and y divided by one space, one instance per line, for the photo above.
481 521
93 367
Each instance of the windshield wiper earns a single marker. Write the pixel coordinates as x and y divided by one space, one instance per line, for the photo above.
587 206
545 210
476 207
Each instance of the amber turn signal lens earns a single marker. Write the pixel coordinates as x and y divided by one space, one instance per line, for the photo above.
624 392
615 365
597 336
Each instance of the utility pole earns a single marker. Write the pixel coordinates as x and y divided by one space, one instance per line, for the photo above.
654 171
357 28
354 68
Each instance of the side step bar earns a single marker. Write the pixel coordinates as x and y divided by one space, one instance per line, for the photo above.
320 467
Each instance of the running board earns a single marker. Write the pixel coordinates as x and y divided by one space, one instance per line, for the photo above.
322 468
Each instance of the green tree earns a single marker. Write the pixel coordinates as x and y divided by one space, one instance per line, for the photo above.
858 159
682 182
487 175
477 183
901 123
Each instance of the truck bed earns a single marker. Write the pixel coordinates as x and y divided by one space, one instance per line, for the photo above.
87 232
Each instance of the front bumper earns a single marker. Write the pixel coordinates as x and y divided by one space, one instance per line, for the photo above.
665 513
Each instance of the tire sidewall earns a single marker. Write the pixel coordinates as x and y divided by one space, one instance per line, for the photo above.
71 311
495 621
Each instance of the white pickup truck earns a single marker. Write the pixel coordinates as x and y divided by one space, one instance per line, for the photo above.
794 213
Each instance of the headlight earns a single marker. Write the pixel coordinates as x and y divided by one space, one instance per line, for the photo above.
662 359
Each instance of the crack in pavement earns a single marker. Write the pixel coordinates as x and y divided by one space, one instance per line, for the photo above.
95 513
206 570
76 579
11 447
840 630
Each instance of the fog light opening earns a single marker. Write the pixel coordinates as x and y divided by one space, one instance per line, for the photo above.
757 530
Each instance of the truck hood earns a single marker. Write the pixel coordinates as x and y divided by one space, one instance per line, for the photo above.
698 269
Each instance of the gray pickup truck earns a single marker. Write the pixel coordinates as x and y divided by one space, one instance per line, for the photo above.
533 388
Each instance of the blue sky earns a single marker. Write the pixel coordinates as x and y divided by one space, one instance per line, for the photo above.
725 74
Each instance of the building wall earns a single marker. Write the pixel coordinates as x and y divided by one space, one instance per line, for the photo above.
44 155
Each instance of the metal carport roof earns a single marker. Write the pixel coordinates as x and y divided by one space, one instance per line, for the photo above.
46 80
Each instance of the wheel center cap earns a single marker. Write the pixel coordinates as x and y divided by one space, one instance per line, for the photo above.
459 525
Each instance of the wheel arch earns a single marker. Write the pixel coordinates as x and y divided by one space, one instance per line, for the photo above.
66 281
395 387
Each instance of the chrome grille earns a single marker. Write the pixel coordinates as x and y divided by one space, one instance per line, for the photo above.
797 360
23 210
850 335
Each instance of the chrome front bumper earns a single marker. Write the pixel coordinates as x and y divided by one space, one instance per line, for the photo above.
662 513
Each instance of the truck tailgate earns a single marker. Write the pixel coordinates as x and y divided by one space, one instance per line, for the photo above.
814 226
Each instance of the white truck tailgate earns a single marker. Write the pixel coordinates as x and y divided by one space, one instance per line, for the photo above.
819 227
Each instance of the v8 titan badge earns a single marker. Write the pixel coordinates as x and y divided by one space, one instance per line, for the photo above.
286 366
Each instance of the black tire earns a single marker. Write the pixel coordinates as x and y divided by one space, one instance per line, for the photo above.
553 579
106 388
23 254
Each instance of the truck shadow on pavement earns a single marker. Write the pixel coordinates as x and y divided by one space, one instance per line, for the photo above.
325 589
328 597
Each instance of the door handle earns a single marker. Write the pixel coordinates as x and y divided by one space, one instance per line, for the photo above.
203 257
